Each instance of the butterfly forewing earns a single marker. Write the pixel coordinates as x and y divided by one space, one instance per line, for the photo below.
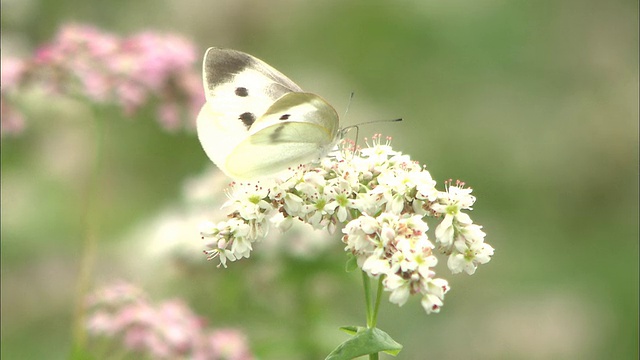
240 87
221 65
246 76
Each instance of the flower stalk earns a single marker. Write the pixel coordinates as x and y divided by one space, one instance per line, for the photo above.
91 230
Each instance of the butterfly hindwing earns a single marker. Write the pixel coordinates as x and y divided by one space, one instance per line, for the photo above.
299 107
253 159
298 128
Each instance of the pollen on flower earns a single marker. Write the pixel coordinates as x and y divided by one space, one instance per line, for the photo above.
380 198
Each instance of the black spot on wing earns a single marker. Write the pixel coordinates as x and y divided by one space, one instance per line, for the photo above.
285 117
275 135
222 67
242 91
247 119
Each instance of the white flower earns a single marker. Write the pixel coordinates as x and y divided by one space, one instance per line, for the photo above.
281 222
471 233
377 153
342 198
249 201
431 303
399 288
375 264
357 235
425 186
445 231
381 197
368 203
369 224
207 228
293 204
468 258
454 199
434 295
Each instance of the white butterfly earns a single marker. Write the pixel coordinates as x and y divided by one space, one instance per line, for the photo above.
256 121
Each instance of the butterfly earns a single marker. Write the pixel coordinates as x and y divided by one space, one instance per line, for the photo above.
257 122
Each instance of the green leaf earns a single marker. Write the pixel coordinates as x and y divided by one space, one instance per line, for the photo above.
352 263
365 342
352 330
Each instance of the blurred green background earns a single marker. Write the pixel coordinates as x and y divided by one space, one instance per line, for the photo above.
533 103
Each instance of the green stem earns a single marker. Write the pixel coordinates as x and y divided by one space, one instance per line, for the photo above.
372 311
374 320
367 297
90 236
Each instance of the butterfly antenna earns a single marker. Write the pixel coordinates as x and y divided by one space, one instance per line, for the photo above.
347 128
348 104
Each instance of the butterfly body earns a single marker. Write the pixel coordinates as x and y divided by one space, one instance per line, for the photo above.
256 121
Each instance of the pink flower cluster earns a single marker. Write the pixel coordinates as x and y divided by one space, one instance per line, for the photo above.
169 330
11 75
132 72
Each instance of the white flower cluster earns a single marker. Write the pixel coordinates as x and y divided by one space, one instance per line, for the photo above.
381 197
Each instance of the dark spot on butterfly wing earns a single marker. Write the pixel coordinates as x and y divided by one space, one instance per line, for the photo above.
223 67
247 119
224 64
275 135
242 91
285 117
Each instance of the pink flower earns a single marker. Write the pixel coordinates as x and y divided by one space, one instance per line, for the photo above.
229 344
157 58
131 72
11 73
76 39
11 120
168 330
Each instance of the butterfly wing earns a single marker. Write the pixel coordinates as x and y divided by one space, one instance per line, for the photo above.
239 89
226 69
296 129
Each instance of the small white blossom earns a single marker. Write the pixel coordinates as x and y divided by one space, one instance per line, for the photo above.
399 288
293 203
281 222
468 258
445 231
434 295
249 201
376 264
379 197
